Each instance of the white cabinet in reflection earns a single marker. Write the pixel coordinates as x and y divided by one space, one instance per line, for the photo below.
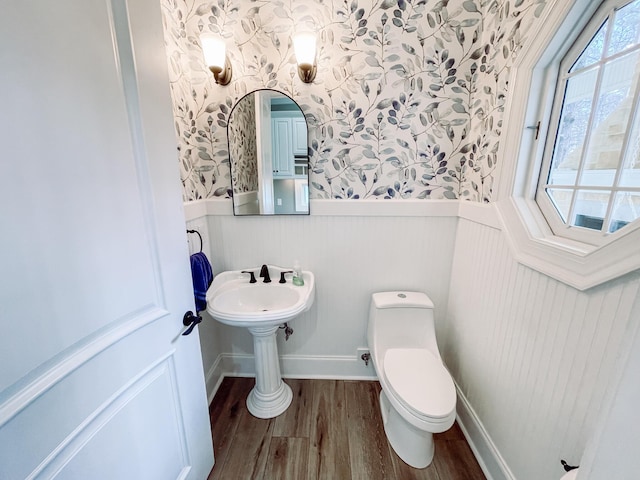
299 136
289 145
282 142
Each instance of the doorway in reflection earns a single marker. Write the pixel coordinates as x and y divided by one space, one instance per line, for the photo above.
268 150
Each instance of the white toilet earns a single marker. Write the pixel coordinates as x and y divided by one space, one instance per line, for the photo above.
418 397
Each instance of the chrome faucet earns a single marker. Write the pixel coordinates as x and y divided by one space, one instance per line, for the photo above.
264 273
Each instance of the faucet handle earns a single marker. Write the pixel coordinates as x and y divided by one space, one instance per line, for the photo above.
253 276
282 279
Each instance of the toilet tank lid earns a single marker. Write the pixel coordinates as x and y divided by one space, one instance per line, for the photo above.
402 299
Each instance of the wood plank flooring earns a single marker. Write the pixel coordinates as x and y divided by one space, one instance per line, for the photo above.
332 430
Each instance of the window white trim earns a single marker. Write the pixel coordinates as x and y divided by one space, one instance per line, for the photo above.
562 62
578 264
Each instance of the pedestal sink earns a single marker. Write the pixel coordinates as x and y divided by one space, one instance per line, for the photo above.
262 308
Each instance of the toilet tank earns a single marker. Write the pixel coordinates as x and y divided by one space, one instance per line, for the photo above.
401 320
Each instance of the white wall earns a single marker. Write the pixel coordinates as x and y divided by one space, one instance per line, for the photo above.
351 256
532 357
613 450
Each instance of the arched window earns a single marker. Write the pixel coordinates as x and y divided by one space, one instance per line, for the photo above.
589 184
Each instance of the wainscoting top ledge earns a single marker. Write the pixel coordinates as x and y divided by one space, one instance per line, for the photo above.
374 208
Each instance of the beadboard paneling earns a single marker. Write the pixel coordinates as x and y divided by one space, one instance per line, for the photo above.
532 356
209 338
351 258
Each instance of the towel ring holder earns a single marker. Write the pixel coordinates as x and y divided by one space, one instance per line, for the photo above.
199 236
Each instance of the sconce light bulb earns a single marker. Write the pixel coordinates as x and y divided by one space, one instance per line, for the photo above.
304 46
214 51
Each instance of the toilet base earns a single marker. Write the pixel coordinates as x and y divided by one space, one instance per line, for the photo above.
413 446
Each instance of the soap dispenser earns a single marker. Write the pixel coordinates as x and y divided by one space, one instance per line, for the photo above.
297 275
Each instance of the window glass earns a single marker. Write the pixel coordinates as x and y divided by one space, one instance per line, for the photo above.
590 209
626 209
561 200
626 28
593 176
631 167
574 124
611 120
593 52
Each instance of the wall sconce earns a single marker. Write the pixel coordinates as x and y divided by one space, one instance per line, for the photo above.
304 46
215 56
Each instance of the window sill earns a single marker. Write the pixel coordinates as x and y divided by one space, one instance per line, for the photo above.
580 265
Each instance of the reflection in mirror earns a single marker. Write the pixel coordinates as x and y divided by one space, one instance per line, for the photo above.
268 155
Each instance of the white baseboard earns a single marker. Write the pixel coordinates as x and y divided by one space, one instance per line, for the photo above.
213 378
485 451
324 366
291 366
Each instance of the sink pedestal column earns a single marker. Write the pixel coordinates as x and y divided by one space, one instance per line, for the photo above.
270 396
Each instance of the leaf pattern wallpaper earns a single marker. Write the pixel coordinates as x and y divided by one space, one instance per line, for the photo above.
408 102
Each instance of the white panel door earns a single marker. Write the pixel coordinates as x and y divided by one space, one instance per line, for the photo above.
96 381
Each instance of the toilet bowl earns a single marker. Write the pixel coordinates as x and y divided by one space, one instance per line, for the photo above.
418 397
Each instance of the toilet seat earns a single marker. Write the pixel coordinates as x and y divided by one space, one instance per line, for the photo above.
420 382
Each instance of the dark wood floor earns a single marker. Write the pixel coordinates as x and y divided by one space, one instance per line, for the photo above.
332 430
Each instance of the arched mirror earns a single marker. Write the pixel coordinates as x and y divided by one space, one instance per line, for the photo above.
268 154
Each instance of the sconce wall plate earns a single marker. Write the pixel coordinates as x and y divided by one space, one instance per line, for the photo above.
307 72
222 76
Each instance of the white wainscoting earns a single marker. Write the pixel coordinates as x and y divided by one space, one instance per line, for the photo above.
531 355
485 451
209 338
405 245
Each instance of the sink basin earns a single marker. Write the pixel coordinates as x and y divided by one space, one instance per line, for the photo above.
261 308
232 300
